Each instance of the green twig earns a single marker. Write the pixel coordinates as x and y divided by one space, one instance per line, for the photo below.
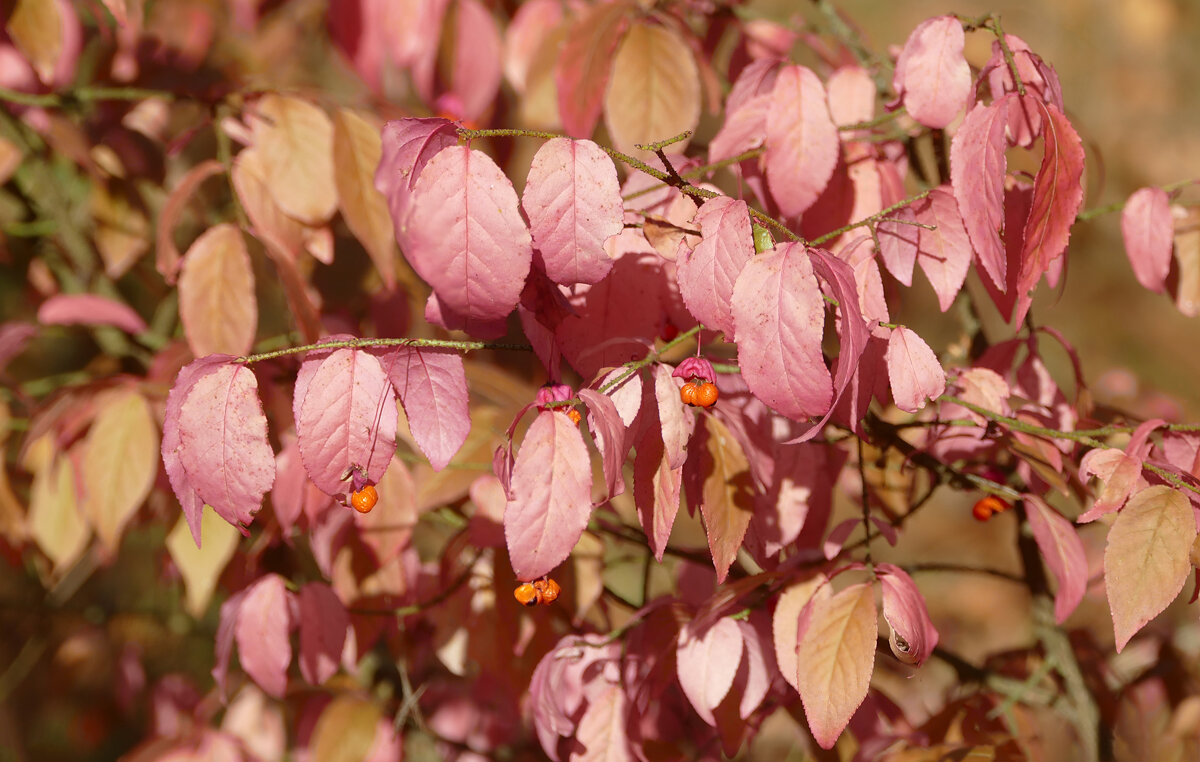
462 346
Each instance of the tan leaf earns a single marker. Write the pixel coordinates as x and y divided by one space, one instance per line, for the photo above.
345 731
122 230
36 28
12 514
836 658
539 104
216 294
1187 260
55 523
167 255
296 141
784 624
356 152
654 92
270 223
120 460
728 495
1146 558
202 567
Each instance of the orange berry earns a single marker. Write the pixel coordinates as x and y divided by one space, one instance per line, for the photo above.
549 590
574 415
527 595
365 499
687 394
706 394
982 511
989 505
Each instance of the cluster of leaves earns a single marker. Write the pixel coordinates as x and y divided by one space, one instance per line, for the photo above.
779 251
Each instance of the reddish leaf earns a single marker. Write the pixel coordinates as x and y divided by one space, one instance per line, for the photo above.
852 330
433 389
706 663
898 244
977 167
727 494
217 304
14 337
262 633
802 141
1064 554
231 610
944 253
759 664
708 272
656 488
913 370
744 129
779 316
932 76
573 202
89 309
167 257
346 421
584 62
913 636
551 496
1024 123
1148 229
655 89
604 421
323 624
223 443
1146 558
465 235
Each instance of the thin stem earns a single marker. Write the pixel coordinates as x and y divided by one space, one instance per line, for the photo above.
868 220
462 346
1117 206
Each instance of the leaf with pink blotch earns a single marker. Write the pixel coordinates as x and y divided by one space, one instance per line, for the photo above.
89 309
465 235
913 636
1120 473
608 430
944 250
346 421
707 662
264 624
802 141
1063 552
977 168
223 442
551 496
433 389
573 201
708 272
1038 78
323 625
913 370
779 316
1148 231
932 76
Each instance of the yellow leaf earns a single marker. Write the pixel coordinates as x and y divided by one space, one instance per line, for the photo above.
345 731
122 230
55 522
728 495
295 139
356 152
654 90
216 294
784 624
36 27
120 459
202 567
12 514
1187 260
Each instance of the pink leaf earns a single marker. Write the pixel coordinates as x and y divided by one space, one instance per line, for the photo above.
89 309
944 253
263 625
1024 123
675 421
475 76
1121 474
779 317
759 661
1063 551
802 141
532 23
852 330
837 537
1148 230
465 234
223 442
913 370
977 167
898 244
573 202
227 622
626 395
932 75
743 130
707 662
551 496
408 145
1057 195
913 635
707 273
433 389
790 620
346 421
182 484
656 488
851 95
602 729
584 64
608 430
323 624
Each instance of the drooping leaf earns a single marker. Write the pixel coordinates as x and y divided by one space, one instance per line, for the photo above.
271 224
1121 474
932 75
346 421
464 234
913 370
608 430
1146 558
943 252
759 664
708 272
913 635
433 389
898 244
89 309
853 332
231 609
1147 228
356 153
550 498
654 92
977 168
119 464
656 487
727 494
216 294
835 660
296 141
573 201
201 567
582 71
674 420
1038 78
1063 552
744 129
779 317
1187 259
802 140
323 624
167 257
706 661
262 633
602 728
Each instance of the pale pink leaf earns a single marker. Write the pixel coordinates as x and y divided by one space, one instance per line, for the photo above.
1146 558
475 72
323 625
944 253
346 421
465 235
851 95
706 662
1038 78
602 729
227 623
913 636
932 75
262 633
756 79
656 488
1063 552
626 395
14 337
852 328
802 141
217 304
898 244
89 309
584 63
181 483
531 24
675 421
785 623
837 537
779 316
604 421
550 496
407 146
223 442
433 389
167 256
708 272
835 660
744 129
1120 473
1148 230
977 168
573 202
913 370
759 661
